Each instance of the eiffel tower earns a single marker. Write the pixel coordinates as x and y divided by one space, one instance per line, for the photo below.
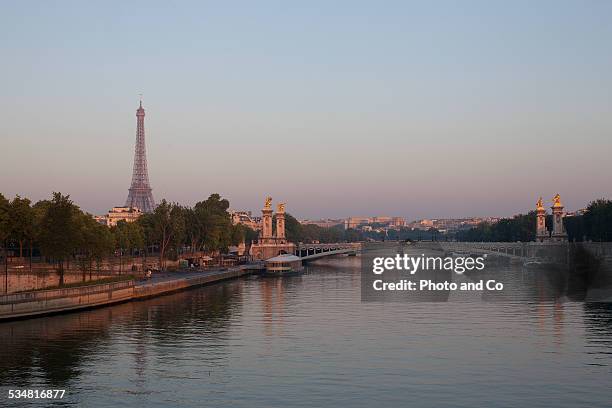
140 195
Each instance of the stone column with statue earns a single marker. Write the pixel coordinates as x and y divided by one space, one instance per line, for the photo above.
269 245
266 221
558 232
280 223
541 231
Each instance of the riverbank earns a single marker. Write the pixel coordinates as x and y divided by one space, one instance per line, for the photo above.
169 282
44 302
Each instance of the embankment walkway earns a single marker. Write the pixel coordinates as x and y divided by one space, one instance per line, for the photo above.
44 302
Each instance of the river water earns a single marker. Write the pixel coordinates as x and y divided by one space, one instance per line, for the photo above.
309 341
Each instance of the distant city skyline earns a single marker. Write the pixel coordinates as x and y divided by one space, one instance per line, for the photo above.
419 110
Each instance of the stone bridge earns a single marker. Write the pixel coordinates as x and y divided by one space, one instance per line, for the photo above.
314 251
557 252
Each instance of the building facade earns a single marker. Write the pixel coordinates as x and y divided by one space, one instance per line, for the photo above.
116 214
245 218
360 222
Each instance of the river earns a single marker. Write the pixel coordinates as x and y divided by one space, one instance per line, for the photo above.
309 341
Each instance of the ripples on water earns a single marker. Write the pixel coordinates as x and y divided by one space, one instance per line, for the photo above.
309 341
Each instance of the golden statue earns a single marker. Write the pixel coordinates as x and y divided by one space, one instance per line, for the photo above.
280 208
540 203
268 203
557 201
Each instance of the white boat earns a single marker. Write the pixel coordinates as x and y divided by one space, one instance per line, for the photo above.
282 265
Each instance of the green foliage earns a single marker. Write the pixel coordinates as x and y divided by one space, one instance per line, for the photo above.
250 235
60 228
178 228
194 229
4 218
119 232
293 229
165 227
205 226
296 232
598 220
215 224
519 228
242 233
63 232
595 225
95 241
136 236
352 235
128 236
147 226
21 221
575 228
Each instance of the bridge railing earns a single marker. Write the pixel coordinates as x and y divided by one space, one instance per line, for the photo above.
526 250
306 250
355 245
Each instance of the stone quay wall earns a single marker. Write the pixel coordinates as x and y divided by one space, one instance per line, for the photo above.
36 303
146 290
61 300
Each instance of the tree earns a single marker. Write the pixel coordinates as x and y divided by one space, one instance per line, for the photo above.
242 233
215 222
194 231
521 227
598 220
293 229
574 226
121 240
39 209
21 222
136 236
4 232
95 242
146 223
177 239
4 219
167 226
59 230
250 234
120 235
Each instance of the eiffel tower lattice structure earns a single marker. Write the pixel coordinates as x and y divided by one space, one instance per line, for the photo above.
140 193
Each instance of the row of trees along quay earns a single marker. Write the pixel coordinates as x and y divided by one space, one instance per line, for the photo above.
58 232
595 224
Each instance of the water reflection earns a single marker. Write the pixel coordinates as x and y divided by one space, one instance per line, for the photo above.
598 324
310 341
53 350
